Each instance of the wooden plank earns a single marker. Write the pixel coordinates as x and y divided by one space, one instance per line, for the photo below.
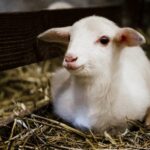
18 31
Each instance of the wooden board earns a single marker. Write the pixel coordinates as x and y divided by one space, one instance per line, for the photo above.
18 32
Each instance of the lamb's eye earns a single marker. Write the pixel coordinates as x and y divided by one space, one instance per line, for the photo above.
104 40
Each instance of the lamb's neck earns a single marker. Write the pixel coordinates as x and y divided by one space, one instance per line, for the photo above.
83 81
92 93
93 85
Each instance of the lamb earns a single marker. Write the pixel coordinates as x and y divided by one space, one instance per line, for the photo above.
106 75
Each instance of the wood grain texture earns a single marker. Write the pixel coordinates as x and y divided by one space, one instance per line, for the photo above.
18 32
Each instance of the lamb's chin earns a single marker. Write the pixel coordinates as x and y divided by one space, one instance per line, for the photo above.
82 73
77 70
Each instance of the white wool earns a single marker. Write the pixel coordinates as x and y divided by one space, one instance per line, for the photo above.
112 85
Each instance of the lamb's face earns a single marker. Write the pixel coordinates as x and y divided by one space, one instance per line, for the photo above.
93 43
90 50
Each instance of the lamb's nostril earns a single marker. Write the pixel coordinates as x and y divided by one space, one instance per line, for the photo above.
75 58
70 58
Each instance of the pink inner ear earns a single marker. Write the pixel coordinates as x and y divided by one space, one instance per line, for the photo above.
129 37
123 39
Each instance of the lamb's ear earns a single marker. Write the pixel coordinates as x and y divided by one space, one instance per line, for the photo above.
129 37
57 35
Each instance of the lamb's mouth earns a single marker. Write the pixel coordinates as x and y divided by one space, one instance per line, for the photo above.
74 68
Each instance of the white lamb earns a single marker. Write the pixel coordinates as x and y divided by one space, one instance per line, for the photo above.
106 79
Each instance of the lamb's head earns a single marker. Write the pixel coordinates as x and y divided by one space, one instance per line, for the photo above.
92 44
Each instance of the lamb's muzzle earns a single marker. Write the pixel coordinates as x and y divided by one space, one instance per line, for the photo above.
70 58
70 62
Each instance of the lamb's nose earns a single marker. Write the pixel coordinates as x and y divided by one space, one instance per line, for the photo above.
70 58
